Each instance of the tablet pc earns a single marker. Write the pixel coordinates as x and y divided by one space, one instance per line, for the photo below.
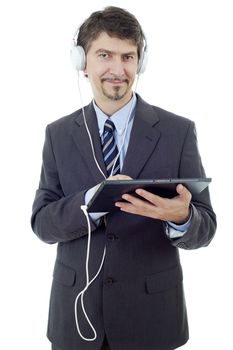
111 191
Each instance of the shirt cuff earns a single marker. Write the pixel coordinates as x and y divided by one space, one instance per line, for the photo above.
88 195
175 231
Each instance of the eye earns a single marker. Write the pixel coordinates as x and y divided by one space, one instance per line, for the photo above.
128 57
104 55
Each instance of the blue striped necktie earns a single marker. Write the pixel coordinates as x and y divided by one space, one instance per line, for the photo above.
110 150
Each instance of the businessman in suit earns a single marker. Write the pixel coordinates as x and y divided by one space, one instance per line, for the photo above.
137 301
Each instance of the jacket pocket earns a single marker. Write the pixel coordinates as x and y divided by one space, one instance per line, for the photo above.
64 274
164 280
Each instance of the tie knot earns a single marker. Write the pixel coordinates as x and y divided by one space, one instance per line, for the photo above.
109 126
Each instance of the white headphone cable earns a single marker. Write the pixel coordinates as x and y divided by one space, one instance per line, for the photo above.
88 282
84 209
88 132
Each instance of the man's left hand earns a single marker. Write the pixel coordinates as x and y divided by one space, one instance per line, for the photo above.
176 210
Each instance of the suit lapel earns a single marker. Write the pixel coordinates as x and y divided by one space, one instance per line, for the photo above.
143 140
82 141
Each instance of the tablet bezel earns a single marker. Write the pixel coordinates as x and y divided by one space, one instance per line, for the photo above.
110 191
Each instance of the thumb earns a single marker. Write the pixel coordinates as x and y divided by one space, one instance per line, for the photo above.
183 192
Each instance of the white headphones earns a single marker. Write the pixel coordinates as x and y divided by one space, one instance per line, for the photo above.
78 56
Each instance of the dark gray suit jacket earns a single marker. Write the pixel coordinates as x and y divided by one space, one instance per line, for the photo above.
137 300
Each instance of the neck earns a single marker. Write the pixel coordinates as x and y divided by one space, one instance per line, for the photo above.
109 107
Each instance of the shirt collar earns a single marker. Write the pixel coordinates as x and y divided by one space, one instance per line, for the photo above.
119 118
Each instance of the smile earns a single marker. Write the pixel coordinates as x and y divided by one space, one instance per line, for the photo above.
114 81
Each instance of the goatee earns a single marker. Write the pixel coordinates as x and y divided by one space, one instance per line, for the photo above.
116 95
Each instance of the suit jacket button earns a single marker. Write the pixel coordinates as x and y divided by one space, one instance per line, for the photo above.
111 237
109 281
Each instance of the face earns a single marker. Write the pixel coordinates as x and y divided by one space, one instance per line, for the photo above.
111 68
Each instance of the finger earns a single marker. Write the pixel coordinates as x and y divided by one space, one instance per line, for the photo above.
133 200
119 177
150 197
134 205
126 206
184 193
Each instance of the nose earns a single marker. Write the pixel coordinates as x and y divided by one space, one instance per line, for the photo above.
117 67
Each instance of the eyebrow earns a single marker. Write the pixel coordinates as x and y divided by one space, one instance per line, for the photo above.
112 52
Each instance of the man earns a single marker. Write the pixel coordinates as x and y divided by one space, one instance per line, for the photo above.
136 301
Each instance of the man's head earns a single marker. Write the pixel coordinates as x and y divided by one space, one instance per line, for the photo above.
111 43
114 21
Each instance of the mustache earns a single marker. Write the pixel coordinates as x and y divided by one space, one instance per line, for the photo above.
113 78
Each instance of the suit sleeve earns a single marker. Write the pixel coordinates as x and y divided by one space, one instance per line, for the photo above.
56 217
203 223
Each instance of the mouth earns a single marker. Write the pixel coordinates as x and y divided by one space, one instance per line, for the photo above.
115 81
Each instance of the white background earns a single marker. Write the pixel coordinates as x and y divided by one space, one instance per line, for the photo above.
189 73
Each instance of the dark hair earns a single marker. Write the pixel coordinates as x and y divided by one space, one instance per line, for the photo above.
116 22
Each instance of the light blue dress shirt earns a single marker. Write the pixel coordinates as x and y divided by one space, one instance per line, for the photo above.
122 137
119 119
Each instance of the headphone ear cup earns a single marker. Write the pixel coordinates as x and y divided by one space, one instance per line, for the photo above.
142 62
78 57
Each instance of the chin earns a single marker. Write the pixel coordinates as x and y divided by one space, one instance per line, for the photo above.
116 95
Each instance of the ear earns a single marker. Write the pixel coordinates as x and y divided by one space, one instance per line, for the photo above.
85 72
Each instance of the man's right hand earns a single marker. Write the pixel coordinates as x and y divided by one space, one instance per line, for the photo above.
119 177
